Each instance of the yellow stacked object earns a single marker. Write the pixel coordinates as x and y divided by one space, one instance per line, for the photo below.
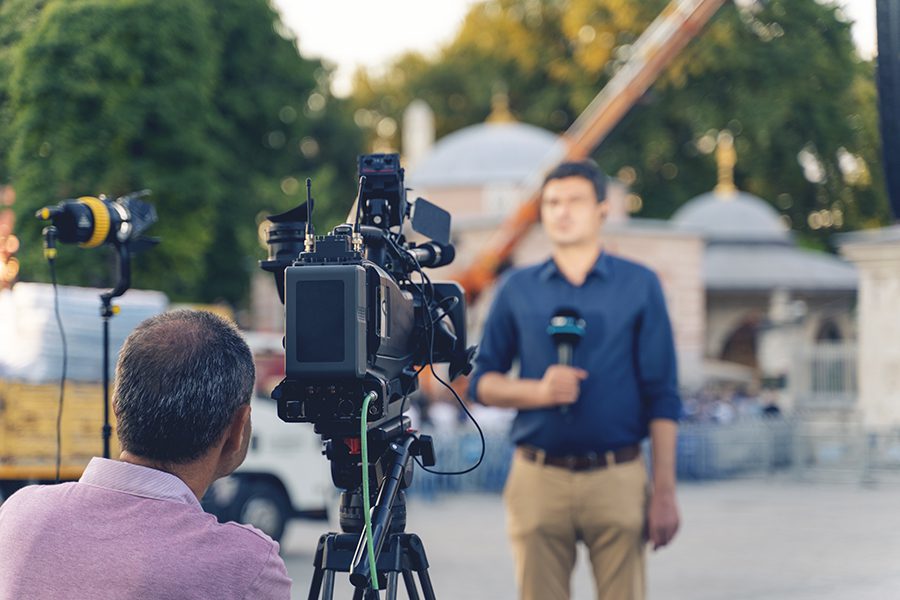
28 415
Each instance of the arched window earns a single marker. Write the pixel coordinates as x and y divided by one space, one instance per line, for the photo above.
740 346
828 331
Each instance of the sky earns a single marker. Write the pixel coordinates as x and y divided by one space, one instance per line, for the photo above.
355 33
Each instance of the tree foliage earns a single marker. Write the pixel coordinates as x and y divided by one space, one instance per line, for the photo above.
782 75
206 103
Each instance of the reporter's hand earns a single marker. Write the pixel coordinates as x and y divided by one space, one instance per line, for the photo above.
561 385
662 519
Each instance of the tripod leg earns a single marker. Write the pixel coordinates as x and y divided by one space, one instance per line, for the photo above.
425 581
391 593
315 586
366 593
419 562
328 588
411 589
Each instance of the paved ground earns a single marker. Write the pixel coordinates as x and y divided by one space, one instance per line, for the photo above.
764 539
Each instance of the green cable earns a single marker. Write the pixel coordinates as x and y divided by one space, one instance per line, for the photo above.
370 544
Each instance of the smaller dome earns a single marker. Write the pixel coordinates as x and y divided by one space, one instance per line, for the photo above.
739 217
488 153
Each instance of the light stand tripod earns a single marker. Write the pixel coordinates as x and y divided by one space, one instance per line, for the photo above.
396 552
92 222
107 311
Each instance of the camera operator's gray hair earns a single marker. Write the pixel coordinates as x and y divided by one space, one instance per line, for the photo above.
180 378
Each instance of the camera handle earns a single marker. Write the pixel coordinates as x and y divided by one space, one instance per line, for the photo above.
107 311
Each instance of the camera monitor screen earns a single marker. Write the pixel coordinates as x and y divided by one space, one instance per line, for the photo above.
320 321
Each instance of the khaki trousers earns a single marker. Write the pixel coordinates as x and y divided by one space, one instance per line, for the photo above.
549 509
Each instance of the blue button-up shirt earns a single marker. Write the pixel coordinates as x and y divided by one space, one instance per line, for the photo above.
627 350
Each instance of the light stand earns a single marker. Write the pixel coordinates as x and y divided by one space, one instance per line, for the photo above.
107 311
92 222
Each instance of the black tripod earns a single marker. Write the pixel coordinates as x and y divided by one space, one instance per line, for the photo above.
396 552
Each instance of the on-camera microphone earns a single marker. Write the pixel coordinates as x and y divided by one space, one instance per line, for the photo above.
566 328
433 254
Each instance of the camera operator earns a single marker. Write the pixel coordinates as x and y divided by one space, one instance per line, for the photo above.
577 474
134 528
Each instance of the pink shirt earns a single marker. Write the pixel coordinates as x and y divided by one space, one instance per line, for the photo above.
129 532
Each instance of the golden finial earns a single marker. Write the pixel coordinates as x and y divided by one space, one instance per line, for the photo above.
500 112
726 158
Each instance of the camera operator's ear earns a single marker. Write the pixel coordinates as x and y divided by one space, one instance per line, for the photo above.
237 436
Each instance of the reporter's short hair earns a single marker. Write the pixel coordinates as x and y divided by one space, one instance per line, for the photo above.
180 378
586 169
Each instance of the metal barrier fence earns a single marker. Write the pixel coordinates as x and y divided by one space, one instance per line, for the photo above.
749 446
825 376
798 447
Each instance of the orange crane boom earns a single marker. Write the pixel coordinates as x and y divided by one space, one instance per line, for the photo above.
666 36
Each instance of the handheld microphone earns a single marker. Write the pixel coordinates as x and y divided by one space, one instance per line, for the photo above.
566 328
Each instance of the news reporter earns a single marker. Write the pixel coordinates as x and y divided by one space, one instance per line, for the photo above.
578 475
134 527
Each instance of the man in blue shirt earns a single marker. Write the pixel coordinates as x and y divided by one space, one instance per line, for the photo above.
577 474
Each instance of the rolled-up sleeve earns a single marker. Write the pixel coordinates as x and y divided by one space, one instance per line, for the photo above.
657 365
499 340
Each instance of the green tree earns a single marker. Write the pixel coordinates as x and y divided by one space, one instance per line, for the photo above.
783 75
16 17
206 103
275 115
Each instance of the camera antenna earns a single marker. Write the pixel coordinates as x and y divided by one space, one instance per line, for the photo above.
309 244
357 236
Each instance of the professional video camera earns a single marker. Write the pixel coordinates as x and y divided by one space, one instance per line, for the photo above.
355 319
362 319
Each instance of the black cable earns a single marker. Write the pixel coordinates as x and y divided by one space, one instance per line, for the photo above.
430 288
406 393
468 414
447 310
404 401
65 360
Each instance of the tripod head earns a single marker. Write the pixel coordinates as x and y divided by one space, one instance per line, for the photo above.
346 460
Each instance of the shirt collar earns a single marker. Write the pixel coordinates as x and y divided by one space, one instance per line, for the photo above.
138 481
601 268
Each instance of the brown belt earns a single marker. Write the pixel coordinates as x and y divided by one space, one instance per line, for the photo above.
580 462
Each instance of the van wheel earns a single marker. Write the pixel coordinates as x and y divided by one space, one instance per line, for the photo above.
263 505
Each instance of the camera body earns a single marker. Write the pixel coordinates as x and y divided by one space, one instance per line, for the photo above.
360 314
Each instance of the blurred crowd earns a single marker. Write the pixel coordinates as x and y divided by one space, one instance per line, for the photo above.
726 404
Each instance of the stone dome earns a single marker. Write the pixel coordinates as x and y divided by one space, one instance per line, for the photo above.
487 153
736 217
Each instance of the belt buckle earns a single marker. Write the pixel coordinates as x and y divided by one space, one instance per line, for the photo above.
611 459
571 462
